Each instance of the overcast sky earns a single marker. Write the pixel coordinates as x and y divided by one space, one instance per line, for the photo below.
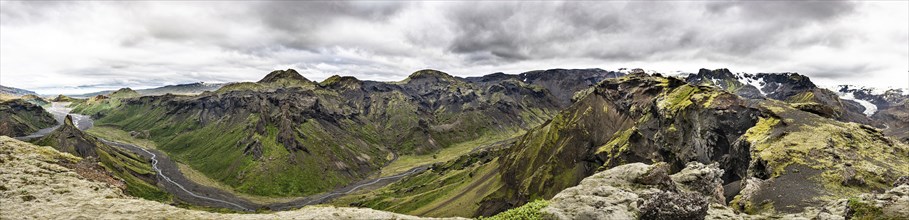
75 47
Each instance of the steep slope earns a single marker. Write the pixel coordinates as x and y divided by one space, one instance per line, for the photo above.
20 118
46 187
138 177
288 136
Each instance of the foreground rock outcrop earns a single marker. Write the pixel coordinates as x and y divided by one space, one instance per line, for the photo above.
33 185
641 191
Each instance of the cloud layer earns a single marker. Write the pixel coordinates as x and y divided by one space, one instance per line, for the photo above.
62 47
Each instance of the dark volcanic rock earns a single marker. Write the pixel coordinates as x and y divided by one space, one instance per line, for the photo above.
671 205
67 138
903 180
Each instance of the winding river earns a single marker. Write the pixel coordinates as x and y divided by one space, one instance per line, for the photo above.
173 181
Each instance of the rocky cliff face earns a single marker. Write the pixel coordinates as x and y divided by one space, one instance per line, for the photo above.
775 156
20 118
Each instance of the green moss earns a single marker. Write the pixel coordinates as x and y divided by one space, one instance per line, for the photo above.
618 144
803 97
530 210
678 98
761 130
864 211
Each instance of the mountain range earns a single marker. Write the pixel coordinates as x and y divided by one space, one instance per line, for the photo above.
765 145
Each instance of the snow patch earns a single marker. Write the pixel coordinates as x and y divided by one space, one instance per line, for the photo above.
757 83
870 108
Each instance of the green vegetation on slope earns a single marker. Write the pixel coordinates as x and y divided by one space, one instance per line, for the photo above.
531 210
448 189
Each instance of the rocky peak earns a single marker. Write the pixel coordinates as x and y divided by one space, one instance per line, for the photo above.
124 93
62 98
337 80
342 83
68 121
289 74
722 73
68 138
793 80
431 74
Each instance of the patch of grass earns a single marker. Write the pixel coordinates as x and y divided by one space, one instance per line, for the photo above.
406 162
531 210
452 189
864 211
114 134
200 178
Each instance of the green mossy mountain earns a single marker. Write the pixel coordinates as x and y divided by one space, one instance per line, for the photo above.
19 118
288 136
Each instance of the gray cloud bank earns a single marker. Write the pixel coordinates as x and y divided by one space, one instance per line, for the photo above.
59 46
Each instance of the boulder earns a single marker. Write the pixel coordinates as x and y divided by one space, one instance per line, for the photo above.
641 191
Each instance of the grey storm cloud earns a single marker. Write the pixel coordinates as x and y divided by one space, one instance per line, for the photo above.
95 43
632 30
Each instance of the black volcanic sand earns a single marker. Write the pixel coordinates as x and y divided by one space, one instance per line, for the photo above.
792 191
